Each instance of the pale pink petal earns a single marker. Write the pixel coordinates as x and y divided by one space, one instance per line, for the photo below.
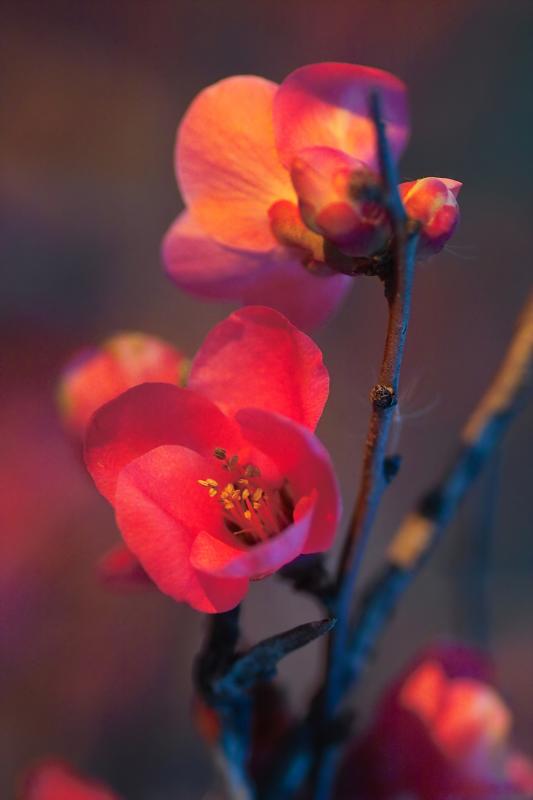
256 357
202 266
227 164
327 105
160 508
276 279
306 298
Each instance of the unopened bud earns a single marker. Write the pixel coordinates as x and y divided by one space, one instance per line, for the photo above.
340 198
433 203
99 374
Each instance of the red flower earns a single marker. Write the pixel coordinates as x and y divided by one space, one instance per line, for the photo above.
433 202
53 780
441 732
98 374
249 153
222 482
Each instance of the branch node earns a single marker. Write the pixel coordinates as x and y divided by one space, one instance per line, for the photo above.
382 396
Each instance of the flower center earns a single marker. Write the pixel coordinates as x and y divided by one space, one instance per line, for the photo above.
250 511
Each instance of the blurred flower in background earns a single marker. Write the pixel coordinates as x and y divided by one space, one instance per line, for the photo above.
441 731
75 661
97 375
53 780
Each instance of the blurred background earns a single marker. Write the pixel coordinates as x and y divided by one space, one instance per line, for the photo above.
91 95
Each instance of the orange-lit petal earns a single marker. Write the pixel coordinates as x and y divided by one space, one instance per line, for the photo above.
423 691
227 163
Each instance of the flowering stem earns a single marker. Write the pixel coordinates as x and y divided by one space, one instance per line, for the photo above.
214 660
384 397
422 529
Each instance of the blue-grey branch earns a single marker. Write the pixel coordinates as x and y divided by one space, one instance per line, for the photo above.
422 529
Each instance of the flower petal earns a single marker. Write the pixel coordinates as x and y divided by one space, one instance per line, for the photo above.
120 569
217 557
328 105
453 185
227 164
160 509
99 374
256 357
300 456
199 264
306 298
277 279
54 780
148 416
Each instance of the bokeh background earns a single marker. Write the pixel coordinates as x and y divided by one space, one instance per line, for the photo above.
91 94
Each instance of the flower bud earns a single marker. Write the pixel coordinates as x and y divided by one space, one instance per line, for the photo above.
433 203
99 374
340 198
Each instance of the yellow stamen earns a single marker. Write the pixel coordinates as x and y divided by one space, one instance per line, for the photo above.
248 511
208 482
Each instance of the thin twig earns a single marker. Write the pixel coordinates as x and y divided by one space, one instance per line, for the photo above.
472 562
213 662
384 397
422 529
225 678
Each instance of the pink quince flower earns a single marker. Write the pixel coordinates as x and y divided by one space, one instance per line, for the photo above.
54 780
274 177
442 731
248 154
97 374
222 482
